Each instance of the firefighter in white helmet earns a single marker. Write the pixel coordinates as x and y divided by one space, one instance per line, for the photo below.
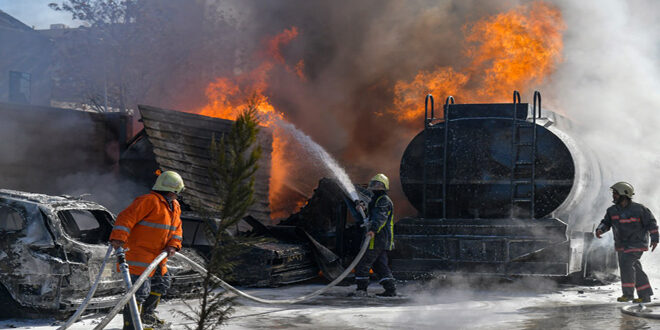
380 226
631 223
149 225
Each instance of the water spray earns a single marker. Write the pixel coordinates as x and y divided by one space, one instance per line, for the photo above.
325 158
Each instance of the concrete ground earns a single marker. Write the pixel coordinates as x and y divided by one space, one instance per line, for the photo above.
526 303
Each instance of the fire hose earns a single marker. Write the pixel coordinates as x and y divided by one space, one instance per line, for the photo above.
230 288
123 266
130 294
90 294
127 296
143 277
642 310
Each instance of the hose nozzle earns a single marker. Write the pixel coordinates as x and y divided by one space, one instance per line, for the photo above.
361 207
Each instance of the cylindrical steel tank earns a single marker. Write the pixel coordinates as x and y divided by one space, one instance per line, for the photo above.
485 171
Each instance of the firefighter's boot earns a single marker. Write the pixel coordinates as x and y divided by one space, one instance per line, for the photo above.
148 314
624 298
644 299
128 319
361 290
390 288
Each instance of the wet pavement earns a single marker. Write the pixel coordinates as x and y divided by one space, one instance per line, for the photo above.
528 303
591 316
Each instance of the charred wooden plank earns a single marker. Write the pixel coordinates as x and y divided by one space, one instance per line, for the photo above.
181 143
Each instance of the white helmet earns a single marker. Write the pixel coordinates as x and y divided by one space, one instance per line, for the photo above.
169 181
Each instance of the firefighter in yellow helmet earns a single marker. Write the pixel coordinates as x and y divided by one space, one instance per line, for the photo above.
632 224
150 225
380 226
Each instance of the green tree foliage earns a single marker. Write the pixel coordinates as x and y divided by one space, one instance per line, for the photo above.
234 160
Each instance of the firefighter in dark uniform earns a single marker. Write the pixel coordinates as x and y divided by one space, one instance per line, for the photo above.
380 226
631 224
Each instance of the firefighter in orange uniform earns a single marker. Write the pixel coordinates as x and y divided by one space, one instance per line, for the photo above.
149 226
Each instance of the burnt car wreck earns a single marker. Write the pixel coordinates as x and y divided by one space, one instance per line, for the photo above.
52 249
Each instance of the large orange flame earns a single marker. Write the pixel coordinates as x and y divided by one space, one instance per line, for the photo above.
228 97
513 50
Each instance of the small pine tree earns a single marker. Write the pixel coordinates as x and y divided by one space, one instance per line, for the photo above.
234 160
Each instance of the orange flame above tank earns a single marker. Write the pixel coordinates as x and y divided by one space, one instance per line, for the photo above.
513 50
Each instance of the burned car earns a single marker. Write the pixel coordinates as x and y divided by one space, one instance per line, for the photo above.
269 259
51 251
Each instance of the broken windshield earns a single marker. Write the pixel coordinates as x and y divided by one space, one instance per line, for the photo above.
86 226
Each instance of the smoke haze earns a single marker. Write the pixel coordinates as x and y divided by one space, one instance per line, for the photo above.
353 53
608 85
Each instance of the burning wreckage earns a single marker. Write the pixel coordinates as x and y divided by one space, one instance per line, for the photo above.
496 187
494 184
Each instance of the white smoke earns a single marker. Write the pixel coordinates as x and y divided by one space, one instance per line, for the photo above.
609 84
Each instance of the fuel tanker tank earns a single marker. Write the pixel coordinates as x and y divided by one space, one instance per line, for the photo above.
496 187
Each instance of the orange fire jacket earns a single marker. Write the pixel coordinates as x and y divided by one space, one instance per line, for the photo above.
148 226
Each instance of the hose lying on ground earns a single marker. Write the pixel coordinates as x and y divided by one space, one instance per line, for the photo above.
124 299
90 294
642 310
230 288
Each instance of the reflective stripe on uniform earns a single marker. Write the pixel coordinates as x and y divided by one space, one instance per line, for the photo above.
389 218
643 287
137 263
629 220
177 237
628 285
386 279
156 225
635 250
391 231
653 231
121 228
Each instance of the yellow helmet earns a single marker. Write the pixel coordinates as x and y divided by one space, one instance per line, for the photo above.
623 189
169 181
380 177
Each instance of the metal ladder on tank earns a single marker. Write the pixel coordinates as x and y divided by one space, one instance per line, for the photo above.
431 197
523 169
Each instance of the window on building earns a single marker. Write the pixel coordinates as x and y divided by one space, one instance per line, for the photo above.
20 87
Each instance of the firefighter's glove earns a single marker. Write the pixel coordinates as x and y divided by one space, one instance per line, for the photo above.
361 208
599 233
653 246
365 223
371 234
170 250
361 205
116 243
